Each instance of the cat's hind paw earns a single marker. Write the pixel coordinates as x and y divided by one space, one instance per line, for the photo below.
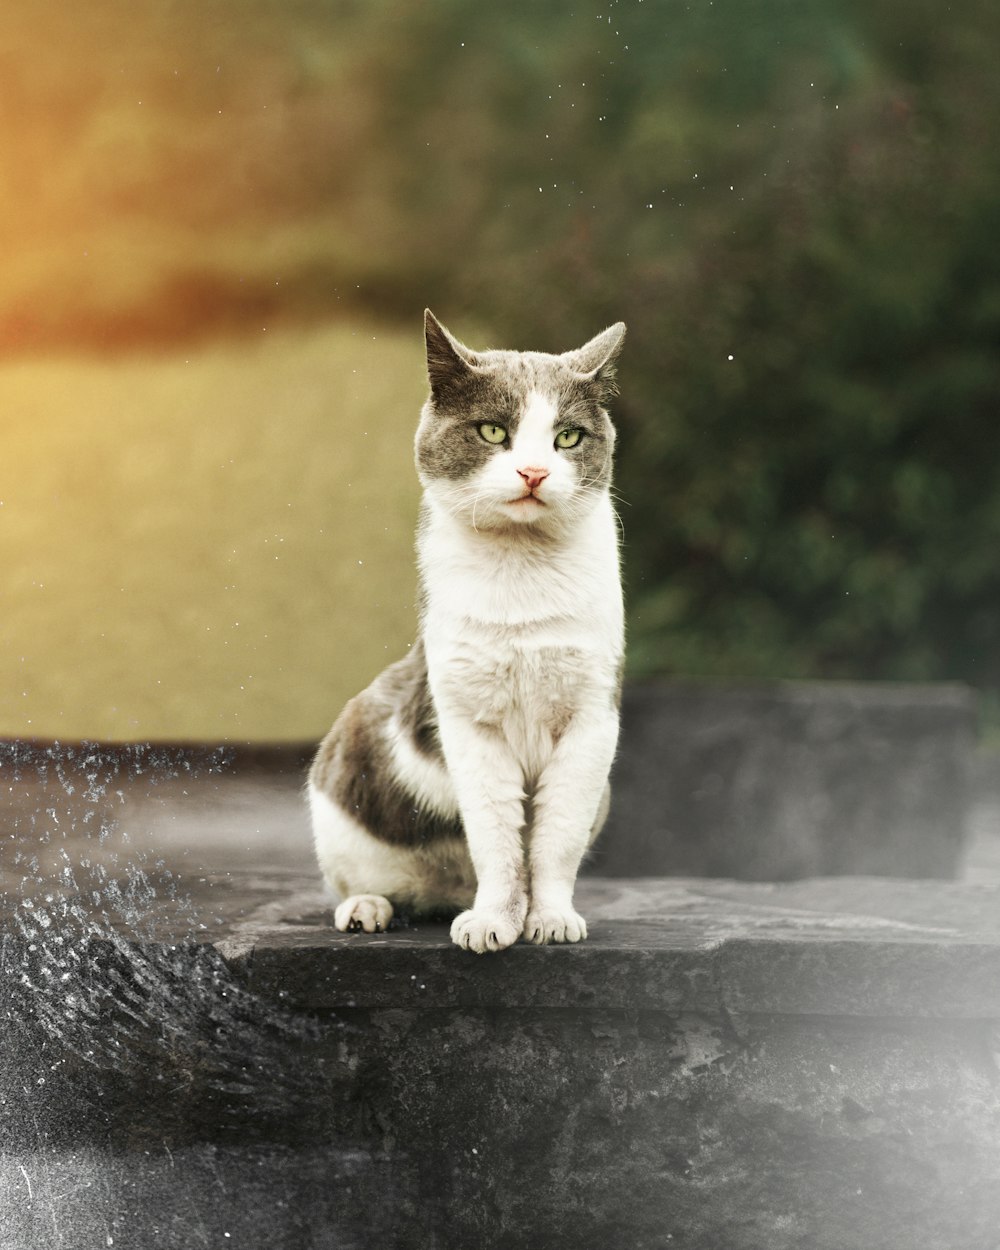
370 912
554 924
480 930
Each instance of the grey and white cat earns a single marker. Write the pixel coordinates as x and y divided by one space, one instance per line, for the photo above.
474 773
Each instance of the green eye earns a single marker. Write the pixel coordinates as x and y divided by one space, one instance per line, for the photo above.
493 433
568 438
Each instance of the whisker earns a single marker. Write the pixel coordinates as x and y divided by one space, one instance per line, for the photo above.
475 505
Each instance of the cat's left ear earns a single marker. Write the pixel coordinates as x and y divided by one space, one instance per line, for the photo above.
596 359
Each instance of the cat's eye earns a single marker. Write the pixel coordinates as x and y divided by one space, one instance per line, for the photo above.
568 438
493 433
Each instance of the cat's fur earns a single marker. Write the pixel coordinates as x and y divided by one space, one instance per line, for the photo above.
474 773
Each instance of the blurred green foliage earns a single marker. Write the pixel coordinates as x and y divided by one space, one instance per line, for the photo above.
794 204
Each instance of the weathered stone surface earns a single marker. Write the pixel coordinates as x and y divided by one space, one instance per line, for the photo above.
792 779
190 1055
721 1065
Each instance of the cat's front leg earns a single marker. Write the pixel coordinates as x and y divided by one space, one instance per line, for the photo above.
569 805
490 791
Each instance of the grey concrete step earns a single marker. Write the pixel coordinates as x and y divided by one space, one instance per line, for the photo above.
191 1056
198 1058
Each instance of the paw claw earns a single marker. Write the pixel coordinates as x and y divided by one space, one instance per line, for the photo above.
554 924
482 931
370 913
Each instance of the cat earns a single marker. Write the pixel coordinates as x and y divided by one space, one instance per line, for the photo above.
472 775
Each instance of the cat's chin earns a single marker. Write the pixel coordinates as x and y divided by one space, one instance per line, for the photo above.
525 508
532 515
514 519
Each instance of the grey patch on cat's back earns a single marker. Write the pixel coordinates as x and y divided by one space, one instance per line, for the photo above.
354 765
416 714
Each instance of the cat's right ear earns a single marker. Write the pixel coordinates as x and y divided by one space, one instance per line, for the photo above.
449 362
596 359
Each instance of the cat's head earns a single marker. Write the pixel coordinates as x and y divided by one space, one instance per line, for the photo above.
509 439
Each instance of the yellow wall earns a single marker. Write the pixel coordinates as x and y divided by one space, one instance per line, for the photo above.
211 544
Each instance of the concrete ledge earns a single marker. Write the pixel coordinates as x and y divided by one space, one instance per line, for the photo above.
850 947
721 1065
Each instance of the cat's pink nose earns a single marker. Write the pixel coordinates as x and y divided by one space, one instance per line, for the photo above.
533 477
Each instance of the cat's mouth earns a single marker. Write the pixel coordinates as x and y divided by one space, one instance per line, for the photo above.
527 497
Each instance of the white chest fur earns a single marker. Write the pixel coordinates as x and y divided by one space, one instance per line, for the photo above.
522 636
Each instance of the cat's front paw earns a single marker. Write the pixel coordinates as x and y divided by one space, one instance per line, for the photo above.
481 930
554 924
370 912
